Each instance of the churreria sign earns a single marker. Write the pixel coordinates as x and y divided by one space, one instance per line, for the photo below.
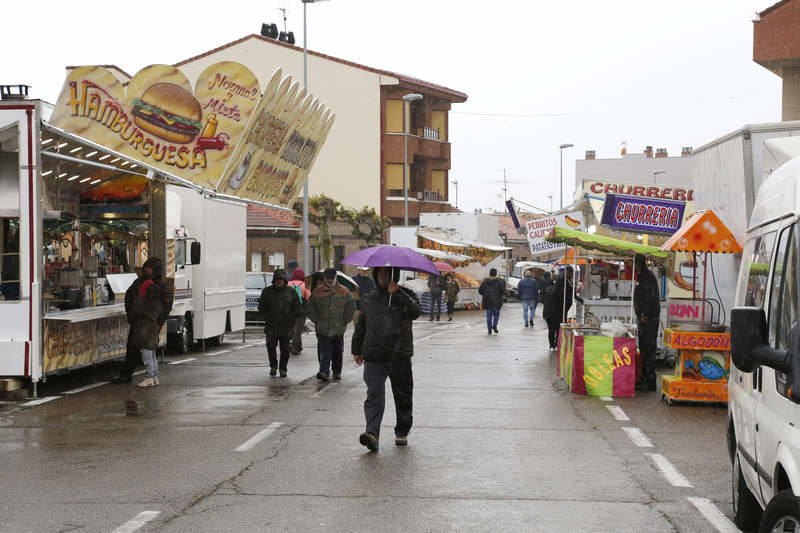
647 215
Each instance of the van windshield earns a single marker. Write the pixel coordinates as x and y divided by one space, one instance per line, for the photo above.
516 272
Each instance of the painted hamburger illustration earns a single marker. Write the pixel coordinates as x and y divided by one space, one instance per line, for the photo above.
169 112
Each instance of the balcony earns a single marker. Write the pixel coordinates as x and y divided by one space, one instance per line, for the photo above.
430 133
417 145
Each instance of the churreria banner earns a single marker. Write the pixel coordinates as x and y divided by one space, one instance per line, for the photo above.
642 214
541 227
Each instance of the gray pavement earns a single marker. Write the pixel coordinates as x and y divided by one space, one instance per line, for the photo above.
497 445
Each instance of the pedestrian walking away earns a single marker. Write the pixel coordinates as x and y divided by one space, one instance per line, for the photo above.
435 288
556 306
365 284
331 308
647 306
451 289
148 312
545 282
298 284
132 355
528 290
383 342
493 290
280 306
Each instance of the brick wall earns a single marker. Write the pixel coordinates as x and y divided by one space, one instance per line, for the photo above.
777 35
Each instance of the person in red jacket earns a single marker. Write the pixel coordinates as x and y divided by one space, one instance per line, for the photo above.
298 284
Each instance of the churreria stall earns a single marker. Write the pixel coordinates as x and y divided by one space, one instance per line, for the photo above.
590 363
697 333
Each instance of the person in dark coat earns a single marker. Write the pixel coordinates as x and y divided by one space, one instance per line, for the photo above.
647 306
149 309
280 307
451 290
365 284
528 290
493 290
556 307
435 288
383 342
545 282
331 308
132 356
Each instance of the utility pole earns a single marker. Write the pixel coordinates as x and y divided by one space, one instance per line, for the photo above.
455 182
283 10
505 186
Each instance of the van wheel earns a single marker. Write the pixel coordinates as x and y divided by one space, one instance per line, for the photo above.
782 514
746 510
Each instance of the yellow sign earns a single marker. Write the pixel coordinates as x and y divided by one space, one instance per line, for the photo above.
279 147
68 344
160 120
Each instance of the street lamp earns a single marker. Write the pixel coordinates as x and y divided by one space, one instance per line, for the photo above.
406 99
655 175
561 173
306 248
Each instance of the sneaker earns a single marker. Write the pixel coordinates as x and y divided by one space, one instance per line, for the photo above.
146 382
526 324
273 372
155 380
283 373
121 379
369 440
495 329
430 319
322 377
490 332
337 377
531 323
401 441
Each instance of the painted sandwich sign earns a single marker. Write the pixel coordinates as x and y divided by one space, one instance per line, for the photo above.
192 132
541 227
642 214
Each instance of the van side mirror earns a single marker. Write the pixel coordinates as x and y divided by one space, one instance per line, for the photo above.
749 344
194 253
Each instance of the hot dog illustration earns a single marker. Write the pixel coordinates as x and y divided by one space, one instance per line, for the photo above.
571 222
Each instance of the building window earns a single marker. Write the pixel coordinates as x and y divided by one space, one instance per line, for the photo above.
9 214
394 116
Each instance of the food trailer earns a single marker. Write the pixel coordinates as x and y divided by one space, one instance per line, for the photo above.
697 330
83 193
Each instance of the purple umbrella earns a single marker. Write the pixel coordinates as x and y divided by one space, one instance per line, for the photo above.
391 256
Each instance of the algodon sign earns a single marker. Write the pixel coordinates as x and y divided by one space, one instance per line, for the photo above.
642 214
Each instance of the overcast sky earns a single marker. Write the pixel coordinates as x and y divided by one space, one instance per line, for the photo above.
538 74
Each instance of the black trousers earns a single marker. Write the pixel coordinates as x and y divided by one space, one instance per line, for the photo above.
132 358
648 345
553 327
436 300
272 343
375 374
450 307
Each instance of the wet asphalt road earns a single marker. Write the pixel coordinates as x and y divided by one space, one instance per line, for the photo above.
497 445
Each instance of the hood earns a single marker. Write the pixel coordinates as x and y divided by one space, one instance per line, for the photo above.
298 275
278 274
155 264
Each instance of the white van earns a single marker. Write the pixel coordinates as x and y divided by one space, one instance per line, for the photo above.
764 411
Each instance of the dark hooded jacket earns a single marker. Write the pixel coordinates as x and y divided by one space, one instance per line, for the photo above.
493 290
646 299
554 300
279 306
148 303
384 332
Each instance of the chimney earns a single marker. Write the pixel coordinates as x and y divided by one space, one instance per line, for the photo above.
686 151
661 152
648 151
589 154
14 92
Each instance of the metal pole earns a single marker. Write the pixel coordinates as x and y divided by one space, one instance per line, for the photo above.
306 248
561 177
405 167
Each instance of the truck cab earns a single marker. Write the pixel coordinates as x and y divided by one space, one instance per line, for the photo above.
763 408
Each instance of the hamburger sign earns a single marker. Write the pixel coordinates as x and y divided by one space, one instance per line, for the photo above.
192 132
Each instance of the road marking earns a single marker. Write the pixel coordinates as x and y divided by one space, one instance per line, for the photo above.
445 330
324 389
180 362
669 471
87 387
618 413
713 515
40 401
606 398
218 353
638 438
137 521
242 346
258 437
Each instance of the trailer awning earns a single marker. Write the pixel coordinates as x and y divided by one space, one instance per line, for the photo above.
454 242
704 233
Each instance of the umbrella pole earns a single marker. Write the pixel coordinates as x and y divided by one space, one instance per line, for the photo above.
633 288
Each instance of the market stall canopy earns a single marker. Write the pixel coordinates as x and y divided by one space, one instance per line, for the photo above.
601 243
453 242
450 257
704 232
569 258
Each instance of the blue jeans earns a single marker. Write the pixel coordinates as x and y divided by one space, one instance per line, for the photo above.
492 316
150 362
528 304
330 354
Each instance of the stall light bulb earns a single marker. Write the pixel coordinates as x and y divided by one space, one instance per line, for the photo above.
72 178
124 163
62 174
76 149
133 165
94 181
47 173
90 154
46 141
106 156
639 237
62 145
114 160
84 180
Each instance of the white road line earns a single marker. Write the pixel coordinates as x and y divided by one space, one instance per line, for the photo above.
258 437
87 387
217 353
138 373
713 515
240 347
606 398
445 330
181 361
40 401
669 471
137 521
638 438
324 389
618 413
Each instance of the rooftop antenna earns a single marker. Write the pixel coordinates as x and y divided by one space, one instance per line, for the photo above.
283 10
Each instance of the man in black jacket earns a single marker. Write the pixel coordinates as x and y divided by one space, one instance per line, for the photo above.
557 303
493 290
280 307
647 306
383 342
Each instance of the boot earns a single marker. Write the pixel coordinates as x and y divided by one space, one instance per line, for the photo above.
430 319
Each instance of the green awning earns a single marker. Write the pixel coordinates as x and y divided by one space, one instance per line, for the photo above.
601 243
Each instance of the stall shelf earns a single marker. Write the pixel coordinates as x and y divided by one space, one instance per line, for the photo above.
702 346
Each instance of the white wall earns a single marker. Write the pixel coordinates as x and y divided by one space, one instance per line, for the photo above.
635 168
477 227
348 167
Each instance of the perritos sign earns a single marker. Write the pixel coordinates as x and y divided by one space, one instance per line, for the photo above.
540 228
